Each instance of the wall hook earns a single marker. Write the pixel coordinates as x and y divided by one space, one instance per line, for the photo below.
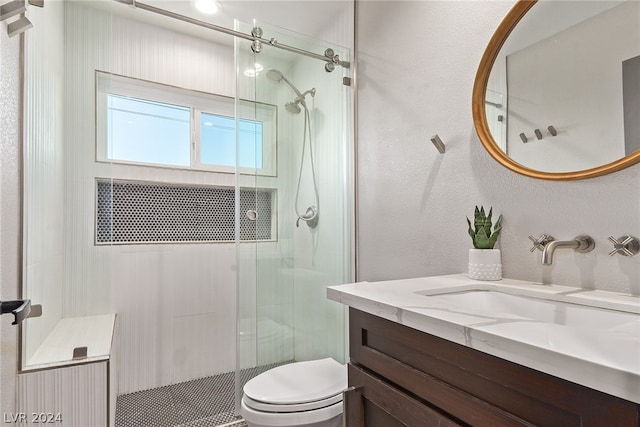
15 8
19 26
524 138
11 9
538 134
552 130
437 142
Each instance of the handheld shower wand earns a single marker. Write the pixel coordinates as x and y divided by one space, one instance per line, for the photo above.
311 214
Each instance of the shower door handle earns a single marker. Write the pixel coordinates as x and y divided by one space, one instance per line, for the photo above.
19 308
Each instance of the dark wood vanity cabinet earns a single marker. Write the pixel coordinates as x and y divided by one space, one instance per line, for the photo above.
401 376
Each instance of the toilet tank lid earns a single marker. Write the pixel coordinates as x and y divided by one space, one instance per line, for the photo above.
298 382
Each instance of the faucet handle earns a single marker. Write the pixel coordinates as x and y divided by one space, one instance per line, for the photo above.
625 245
540 242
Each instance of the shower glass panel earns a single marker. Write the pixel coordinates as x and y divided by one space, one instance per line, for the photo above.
64 271
283 313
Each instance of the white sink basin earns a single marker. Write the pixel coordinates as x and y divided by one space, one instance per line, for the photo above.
498 305
587 336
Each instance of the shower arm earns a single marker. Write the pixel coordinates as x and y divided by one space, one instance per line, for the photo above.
292 86
304 94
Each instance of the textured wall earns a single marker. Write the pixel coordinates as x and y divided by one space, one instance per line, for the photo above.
417 63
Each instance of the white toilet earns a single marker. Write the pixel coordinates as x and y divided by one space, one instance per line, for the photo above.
299 394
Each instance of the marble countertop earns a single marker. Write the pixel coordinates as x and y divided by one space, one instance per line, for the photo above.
581 347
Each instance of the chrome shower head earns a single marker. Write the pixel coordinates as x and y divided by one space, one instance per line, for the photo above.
293 107
275 75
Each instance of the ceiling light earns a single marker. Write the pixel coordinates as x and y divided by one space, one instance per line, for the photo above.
253 71
207 7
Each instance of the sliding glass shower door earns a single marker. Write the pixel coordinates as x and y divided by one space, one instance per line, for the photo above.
295 216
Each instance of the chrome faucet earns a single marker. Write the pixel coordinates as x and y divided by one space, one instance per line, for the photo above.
581 244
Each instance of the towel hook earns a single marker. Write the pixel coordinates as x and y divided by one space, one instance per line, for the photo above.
437 142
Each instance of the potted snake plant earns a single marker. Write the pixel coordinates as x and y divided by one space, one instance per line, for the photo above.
484 260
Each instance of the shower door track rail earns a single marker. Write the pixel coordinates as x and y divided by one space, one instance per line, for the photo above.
329 57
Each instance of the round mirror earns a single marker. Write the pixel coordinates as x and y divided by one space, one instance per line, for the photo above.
557 93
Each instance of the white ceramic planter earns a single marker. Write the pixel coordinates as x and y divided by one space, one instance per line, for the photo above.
485 264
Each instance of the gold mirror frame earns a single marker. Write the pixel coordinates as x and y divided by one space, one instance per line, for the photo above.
505 28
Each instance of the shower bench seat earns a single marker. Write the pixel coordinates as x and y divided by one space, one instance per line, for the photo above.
93 332
89 379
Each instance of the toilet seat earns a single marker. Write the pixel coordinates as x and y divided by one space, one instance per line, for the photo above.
292 407
291 419
297 387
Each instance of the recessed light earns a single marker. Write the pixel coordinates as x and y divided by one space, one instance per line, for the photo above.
206 7
253 71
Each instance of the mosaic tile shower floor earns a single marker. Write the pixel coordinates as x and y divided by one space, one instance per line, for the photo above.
205 402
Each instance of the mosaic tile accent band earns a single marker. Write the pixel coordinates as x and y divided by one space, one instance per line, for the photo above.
140 212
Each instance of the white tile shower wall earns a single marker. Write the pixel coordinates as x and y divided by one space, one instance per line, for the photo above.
246 305
44 172
86 269
10 170
415 79
176 313
274 309
339 30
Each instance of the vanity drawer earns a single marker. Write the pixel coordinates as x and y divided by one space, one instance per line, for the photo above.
474 387
375 403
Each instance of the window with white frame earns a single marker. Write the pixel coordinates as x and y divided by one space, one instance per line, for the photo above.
144 123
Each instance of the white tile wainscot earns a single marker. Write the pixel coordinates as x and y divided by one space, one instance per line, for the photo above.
605 360
79 392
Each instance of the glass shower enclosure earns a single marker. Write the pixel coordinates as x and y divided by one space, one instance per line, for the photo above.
188 197
298 199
